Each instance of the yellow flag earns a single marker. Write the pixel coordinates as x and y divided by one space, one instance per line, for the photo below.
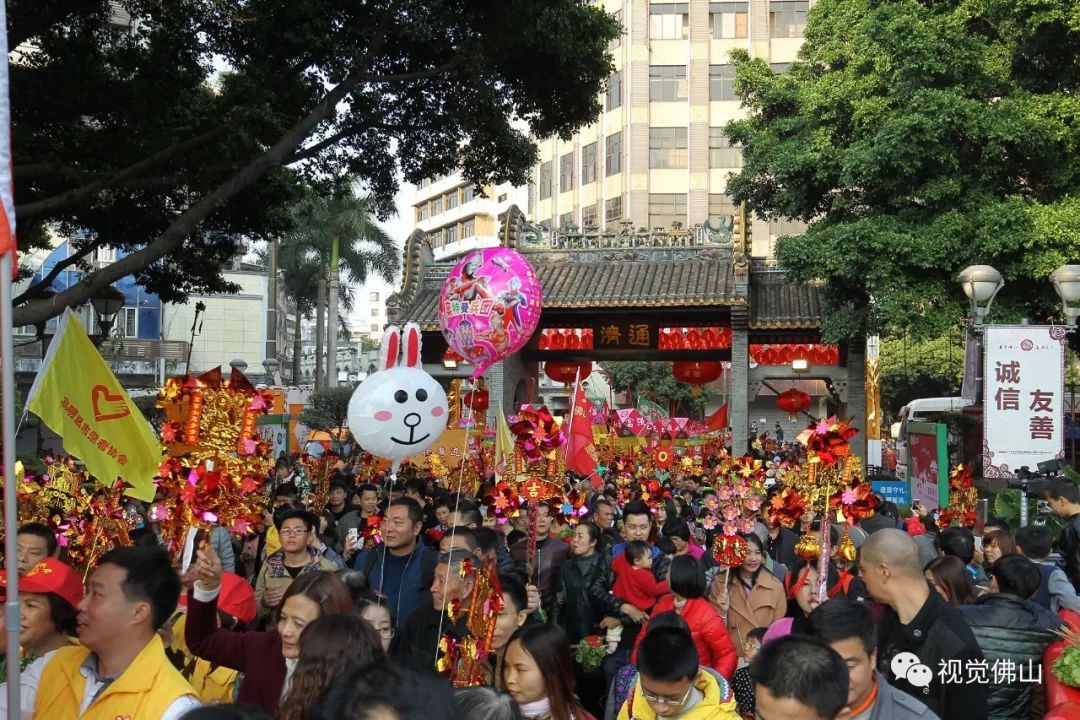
504 448
80 399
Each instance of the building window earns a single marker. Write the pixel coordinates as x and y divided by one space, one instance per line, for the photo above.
468 193
502 198
589 214
722 154
786 226
425 182
566 220
128 322
614 91
669 21
617 42
667 148
787 18
373 297
780 68
566 172
614 154
613 209
667 83
722 82
424 211
729 20
545 180
436 206
721 207
451 200
588 164
374 312
468 228
375 327
666 209
451 234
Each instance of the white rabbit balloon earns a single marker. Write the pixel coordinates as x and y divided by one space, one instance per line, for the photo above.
401 410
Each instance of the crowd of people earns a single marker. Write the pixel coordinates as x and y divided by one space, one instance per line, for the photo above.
346 613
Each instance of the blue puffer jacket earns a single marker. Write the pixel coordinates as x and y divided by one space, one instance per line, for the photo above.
1009 628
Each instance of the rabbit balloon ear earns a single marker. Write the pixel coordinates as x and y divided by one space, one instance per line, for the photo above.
412 345
390 348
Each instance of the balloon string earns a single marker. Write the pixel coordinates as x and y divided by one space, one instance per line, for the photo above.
453 528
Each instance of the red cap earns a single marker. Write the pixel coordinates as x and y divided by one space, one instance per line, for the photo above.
236 597
51 576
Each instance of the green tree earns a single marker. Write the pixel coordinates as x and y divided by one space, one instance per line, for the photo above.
327 409
912 368
154 149
332 233
918 138
654 381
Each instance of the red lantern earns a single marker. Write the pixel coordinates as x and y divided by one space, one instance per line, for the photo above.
768 357
697 373
478 400
793 402
565 372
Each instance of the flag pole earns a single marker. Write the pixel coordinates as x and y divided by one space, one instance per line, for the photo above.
7 379
11 520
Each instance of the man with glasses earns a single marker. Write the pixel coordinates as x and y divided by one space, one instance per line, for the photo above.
295 558
670 683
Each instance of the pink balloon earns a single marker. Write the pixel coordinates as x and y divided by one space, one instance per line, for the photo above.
489 306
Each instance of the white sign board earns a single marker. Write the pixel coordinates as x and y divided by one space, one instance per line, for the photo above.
1023 397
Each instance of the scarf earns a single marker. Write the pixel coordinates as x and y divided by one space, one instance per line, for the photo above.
536 709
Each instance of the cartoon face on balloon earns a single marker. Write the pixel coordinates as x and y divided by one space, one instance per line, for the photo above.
489 306
399 411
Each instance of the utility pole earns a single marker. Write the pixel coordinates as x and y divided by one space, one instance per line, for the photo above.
271 300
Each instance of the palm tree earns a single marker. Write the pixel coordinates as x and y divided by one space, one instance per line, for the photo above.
333 233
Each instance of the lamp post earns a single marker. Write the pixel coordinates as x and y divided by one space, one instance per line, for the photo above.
107 304
271 366
1066 281
981 284
238 364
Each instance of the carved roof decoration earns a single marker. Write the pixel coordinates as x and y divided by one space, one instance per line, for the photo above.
626 268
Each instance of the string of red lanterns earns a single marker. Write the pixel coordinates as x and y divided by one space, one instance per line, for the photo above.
695 338
785 354
566 339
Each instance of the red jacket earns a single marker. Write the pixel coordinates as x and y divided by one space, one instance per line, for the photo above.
636 586
256 654
711 637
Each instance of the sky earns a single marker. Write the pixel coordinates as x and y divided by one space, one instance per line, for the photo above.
398 228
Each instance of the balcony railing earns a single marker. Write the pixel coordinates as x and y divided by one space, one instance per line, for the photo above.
118 349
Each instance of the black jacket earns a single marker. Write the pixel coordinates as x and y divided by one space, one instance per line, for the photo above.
416 644
585 599
550 555
937 634
1069 547
782 548
1011 628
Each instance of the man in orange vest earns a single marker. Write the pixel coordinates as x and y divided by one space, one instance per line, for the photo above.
121 670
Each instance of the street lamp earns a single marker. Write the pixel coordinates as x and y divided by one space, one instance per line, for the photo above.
981 284
1066 281
270 365
107 304
238 364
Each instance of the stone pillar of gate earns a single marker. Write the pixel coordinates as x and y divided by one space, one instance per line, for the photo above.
854 398
739 399
508 383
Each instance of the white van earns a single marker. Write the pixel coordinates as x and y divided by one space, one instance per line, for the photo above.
921 410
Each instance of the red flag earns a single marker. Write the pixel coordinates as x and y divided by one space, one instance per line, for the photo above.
718 421
581 455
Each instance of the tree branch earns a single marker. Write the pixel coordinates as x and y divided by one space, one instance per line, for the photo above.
49 16
71 197
406 77
43 169
35 290
173 236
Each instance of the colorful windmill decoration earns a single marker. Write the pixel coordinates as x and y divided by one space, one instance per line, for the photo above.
962 499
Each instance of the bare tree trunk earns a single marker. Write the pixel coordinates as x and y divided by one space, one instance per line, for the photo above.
332 322
298 344
320 327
